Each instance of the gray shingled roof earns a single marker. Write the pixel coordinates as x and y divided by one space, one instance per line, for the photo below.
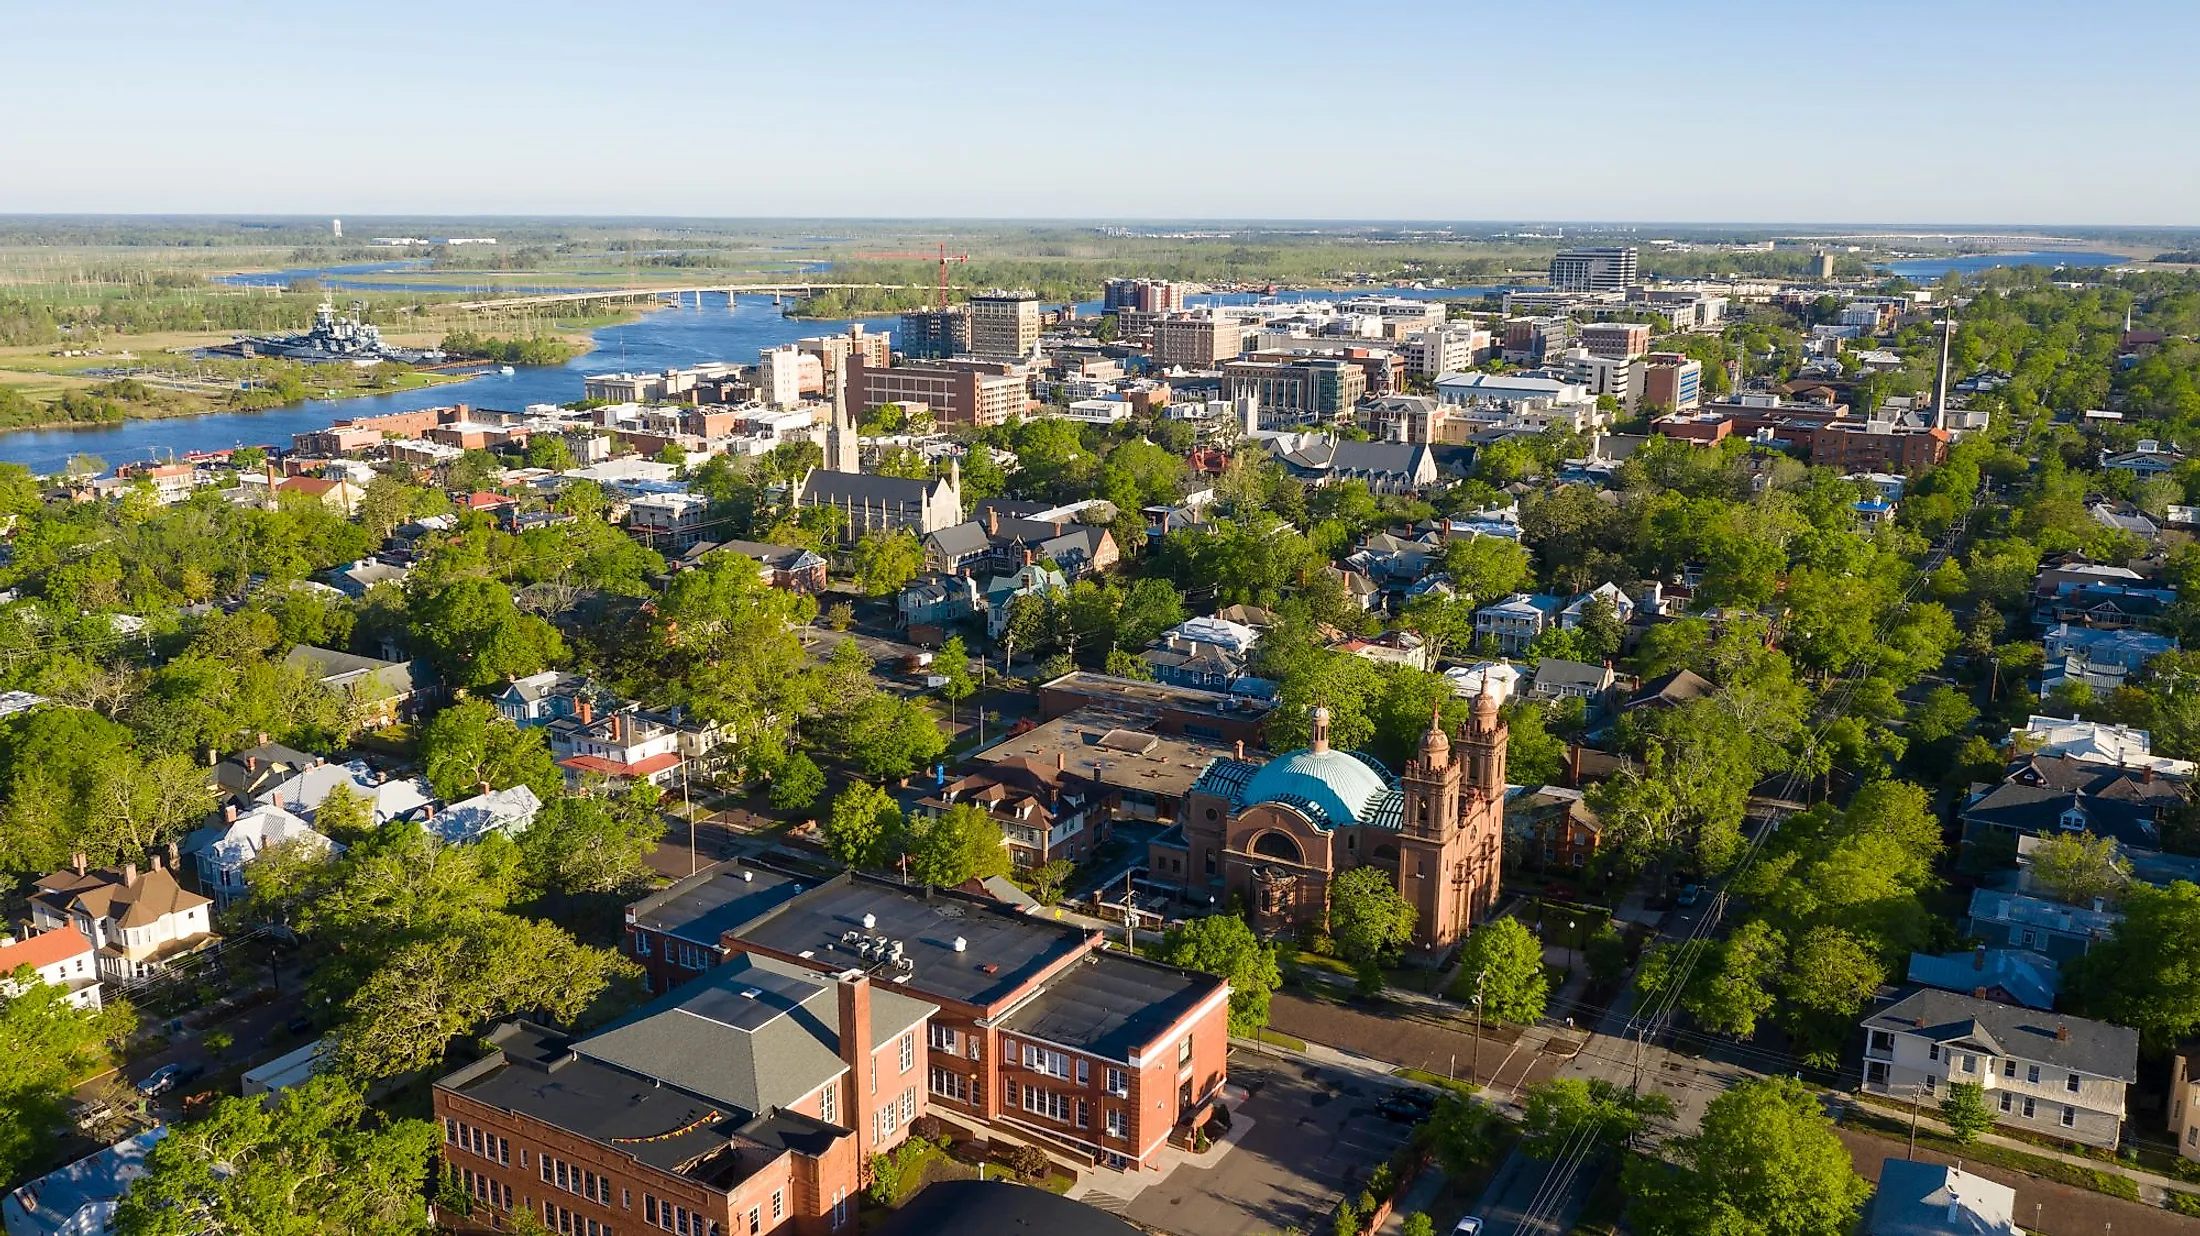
2076 1043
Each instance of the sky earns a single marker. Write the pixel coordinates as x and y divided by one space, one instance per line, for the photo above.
1952 111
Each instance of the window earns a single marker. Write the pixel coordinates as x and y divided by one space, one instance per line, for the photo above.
450 1131
2028 1108
2008 1068
1932 1084
973 1046
1932 1051
908 1051
1119 1083
649 1209
1184 1052
2032 1074
1119 1124
1084 1118
950 1085
2072 1084
1040 1060
1046 1103
756 1220
874 1075
641 944
2007 1100
1970 1062
779 1204
943 1037
828 1102
885 1122
1084 1072
1882 1042
2069 1116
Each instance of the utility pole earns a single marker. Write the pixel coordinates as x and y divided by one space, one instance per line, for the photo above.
1913 1122
1130 915
1474 1062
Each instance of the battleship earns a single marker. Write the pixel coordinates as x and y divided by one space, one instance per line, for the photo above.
332 340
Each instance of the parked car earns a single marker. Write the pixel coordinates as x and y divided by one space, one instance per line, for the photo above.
301 1024
1468 1226
160 1081
1406 1106
1689 895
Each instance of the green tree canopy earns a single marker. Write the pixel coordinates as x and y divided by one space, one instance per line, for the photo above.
1503 961
47 1046
470 744
1766 1163
1560 1108
1222 944
864 827
1367 916
958 844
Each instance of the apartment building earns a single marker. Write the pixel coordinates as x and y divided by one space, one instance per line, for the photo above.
746 1102
1196 340
2044 1073
1004 325
1669 382
1530 341
1039 1031
1141 296
668 523
1288 392
785 374
1436 350
935 334
959 392
1599 268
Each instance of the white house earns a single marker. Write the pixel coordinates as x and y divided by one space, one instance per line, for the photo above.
62 957
2097 742
222 850
2043 1072
1499 678
1933 1199
498 811
1515 621
79 1200
140 922
1623 606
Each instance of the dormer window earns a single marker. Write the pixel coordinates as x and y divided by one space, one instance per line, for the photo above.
2073 819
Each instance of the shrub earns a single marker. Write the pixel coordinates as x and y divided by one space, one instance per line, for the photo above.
1029 1162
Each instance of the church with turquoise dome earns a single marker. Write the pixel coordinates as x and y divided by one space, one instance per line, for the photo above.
1272 836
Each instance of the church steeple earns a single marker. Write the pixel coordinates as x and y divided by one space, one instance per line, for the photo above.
1431 783
1484 747
840 435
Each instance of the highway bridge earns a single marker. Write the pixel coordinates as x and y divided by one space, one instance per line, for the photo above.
609 295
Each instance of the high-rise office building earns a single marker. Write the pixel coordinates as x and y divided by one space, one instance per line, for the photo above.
935 334
1142 295
1004 325
1602 268
1196 340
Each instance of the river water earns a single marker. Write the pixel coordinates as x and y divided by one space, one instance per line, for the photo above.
1926 270
722 328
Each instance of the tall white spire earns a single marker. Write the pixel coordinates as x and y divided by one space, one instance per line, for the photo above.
1940 386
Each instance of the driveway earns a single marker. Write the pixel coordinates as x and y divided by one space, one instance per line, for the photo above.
1315 1134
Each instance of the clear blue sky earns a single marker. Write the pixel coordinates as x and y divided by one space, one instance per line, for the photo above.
2013 112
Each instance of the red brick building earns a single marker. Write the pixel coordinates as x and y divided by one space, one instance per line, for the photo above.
1039 1032
747 1103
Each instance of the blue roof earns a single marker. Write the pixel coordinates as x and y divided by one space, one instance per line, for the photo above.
1331 788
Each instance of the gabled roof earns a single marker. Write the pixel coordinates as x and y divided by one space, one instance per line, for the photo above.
43 949
2075 1043
1553 671
102 893
1673 690
2030 979
963 540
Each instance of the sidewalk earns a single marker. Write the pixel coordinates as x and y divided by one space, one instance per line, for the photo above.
2152 1187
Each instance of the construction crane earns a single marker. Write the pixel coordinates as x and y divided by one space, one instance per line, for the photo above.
944 258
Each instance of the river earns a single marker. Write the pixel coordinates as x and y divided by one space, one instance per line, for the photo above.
722 328
1926 270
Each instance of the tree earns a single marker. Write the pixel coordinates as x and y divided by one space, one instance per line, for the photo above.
885 562
477 636
1221 944
2146 974
1607 956
953 664
958 844
797 783
482 968
892 737
548 450
47 1046
1737 989
863 825
344 815
1504 963
1461 1133
1965 1111
2076 868
1766 1163
316 1161
1831 973
471 745
1558 1109
1487 568
1368 917
588 844
1418 1224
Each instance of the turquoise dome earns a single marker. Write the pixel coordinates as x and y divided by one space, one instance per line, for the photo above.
1338 784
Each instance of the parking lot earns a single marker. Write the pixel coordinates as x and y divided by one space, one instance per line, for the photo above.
1315 1133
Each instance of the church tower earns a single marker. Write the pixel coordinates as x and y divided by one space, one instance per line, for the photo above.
1431 782
1428 837
1484 749
840 435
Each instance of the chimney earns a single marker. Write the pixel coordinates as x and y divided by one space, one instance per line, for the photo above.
1061 760
588 713
175 861
1241 748
263 738
1978 958
229 814
76 860
1573 765
129 873
993 521
252 763
855 1052
2062 1032
160 861
1978 993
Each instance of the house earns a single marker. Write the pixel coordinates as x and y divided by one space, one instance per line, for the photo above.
789 568
1513 623
62 956
1045 811
1001 592
341 496
1398 647
387 798
1499 678
383 690
2012 976
493 811
931 602
627 743
1183 661
1671 691
2150 459
539 699
1621 605
1361 591
2044 1073
221 851
1917 1198
2105 606
951 548
2094 742
80 1199
746 1101
2047 795
1385 467
1095 1054
2184 1102
1553 828
1384 556
2124 518
1557 679
2036 924
243 777
2115 654
140 921
367 573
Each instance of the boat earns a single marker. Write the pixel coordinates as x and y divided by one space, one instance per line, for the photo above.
506 370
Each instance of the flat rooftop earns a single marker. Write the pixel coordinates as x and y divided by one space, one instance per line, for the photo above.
1105 688
1002 950
1111 1004
1118 747
703 907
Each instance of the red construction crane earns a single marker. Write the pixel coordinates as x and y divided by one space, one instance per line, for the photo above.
944 258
